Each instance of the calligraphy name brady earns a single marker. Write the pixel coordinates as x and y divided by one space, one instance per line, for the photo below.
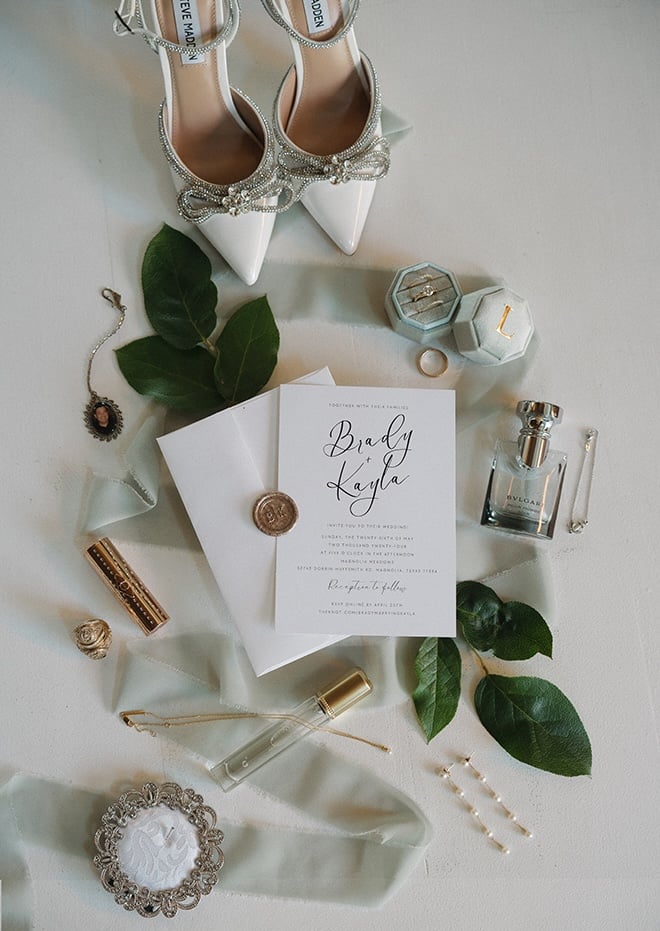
358 483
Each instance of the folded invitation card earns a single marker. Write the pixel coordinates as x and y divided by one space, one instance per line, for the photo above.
221 465
372 472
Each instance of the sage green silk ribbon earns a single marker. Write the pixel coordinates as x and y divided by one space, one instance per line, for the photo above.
377 835
48 814
114 499
383 835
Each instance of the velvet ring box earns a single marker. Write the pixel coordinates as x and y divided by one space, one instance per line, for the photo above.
493 326
422 300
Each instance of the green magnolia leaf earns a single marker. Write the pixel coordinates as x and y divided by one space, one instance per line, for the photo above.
534 722
179 296
512 630
247 351
523 633
438 668
478 610
183 380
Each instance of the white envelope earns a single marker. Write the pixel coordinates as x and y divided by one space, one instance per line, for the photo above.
220 466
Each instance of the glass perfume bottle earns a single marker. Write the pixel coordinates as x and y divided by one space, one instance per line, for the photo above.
527 476
312 714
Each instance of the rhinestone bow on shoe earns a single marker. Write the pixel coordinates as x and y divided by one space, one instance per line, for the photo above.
198 200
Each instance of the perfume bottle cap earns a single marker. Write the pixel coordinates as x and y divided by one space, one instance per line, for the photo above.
538 418
344 693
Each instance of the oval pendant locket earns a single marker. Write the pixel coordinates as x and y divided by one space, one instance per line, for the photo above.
102 416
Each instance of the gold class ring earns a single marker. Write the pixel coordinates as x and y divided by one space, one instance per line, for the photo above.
93 638
432 362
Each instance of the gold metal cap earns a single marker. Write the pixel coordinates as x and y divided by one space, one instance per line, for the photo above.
126 585
344 693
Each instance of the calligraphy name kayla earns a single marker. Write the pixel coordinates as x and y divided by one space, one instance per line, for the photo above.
358 483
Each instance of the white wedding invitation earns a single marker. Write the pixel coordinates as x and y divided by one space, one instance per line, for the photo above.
221 465
372 471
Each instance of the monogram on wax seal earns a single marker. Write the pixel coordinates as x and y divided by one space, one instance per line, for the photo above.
275 513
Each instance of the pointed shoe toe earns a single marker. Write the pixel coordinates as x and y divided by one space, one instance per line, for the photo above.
241 241
341 210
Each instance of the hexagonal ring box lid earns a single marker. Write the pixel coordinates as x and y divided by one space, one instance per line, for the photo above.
422 301
493 326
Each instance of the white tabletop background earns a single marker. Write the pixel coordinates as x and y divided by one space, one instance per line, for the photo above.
534 158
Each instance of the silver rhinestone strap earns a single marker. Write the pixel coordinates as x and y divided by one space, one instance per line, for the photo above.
131 11
198 200
273 10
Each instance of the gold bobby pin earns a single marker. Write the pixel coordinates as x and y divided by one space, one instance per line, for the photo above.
182 720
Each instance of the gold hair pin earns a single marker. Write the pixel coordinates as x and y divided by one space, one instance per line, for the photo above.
152 720
283 730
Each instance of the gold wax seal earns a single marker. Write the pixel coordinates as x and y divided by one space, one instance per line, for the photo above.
93 638
275 513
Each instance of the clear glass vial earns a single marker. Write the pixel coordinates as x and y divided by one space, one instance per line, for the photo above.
313 713
526 477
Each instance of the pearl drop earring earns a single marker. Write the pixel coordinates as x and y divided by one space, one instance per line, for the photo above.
444 773
467 761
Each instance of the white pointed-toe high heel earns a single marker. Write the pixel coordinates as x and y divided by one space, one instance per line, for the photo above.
327 117
219 147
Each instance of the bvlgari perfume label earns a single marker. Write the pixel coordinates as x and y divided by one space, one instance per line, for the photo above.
317 16
521 499
189 31
372 473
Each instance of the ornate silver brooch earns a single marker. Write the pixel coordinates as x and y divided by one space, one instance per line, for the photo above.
159 849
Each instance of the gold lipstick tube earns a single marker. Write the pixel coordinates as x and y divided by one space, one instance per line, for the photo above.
126 585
